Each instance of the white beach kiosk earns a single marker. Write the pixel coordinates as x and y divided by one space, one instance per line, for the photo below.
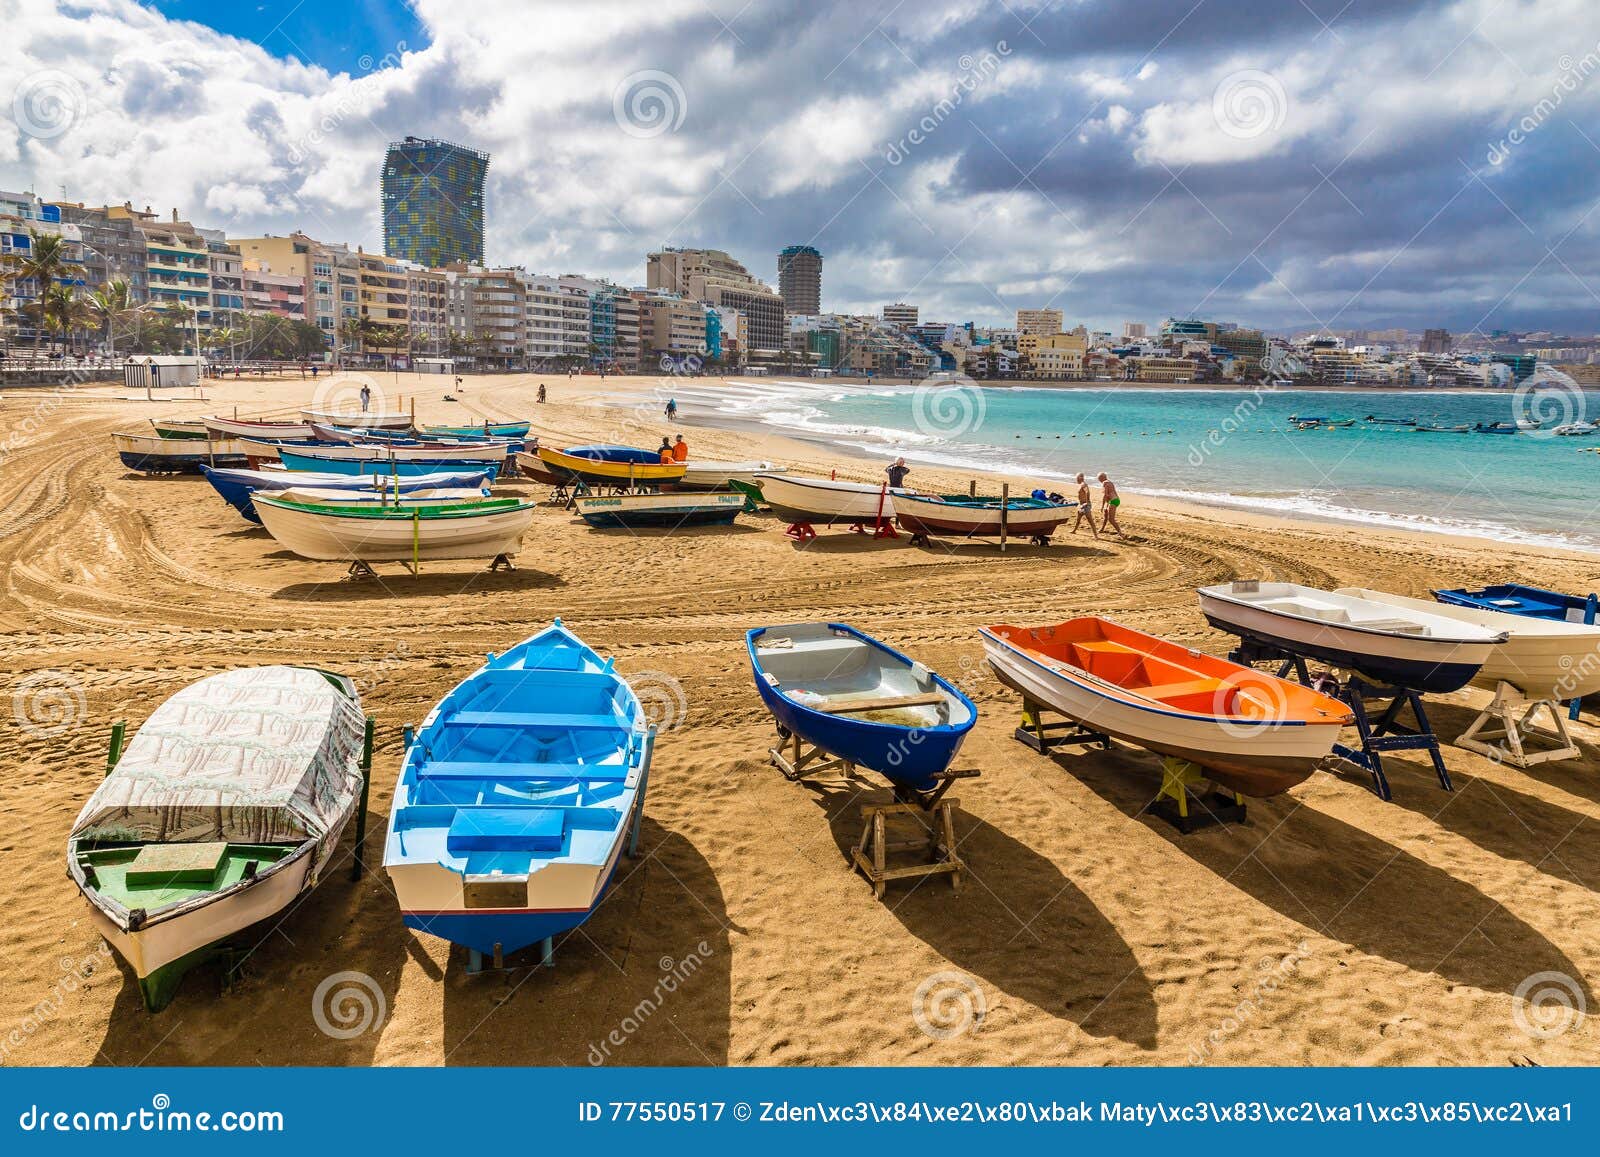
434 365
161 371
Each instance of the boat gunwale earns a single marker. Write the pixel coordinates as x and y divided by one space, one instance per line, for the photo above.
1213 592
402 513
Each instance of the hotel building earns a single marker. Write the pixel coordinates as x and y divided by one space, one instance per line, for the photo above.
432 202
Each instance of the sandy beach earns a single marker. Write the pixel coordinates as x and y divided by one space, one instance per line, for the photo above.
1332 928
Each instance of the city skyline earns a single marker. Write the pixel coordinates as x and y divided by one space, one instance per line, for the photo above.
1281 171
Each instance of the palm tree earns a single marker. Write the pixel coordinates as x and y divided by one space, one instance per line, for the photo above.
46 263
64 313
113 301
352 330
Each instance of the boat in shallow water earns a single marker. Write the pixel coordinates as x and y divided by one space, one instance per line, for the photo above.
843 691
224 809
1394 646
518 796
486 528
1252 732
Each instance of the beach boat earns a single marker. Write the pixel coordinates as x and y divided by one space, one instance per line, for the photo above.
474 452
1394 646
270 431
237 485
153 454
1498 427
1544 658
1419 428
532 467
514 430
605 453
1576 430
297 460
181 428
962 517
1314 420
1252 732
358 419
1390 421
660 510
1516 599
1338 423
486 528
222 811
518 796
426 496
861 701
572 466
708 475
826 501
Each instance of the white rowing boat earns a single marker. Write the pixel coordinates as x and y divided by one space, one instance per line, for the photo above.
486 528
709 475
826 501
358 419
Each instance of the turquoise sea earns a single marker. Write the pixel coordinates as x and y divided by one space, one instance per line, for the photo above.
1234 448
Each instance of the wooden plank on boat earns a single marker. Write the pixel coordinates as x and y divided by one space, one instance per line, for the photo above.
177 863
883 703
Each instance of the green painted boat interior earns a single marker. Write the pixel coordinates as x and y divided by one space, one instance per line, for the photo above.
153 876
426 511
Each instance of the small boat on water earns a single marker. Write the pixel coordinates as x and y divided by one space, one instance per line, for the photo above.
153 454
180 428
402 460
1394 646
224 809
1463 428
1496 427
238 485
240 428
1373 418
959 516
1576 430
1252 732
573 466
708 475
489 429
824 501
861 701
518 796
1544 658
358 419
370 533
659 510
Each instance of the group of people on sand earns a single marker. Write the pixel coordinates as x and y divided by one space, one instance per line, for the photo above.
1109 499
674 451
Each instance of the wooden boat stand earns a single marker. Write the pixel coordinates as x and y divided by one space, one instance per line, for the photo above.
1185 809
870 856
1516 733
1385 733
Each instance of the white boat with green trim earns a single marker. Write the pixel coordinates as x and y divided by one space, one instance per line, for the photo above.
226 806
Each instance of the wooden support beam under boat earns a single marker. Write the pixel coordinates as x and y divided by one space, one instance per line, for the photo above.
938 842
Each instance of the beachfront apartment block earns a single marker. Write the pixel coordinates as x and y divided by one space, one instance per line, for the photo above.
1040 321
431 197
330 274
713 277
900 314
21 216
177 262
557 317
671 326
800 279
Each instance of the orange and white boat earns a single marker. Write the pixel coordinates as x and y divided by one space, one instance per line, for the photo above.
1252 732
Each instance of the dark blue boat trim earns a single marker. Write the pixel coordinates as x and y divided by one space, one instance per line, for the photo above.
1417 674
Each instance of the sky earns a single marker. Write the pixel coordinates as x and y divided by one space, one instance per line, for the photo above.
1293 164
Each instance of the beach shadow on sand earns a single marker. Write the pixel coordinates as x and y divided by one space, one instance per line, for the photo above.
1342 882
1018 923
646 980
1578 776
403 584
333 957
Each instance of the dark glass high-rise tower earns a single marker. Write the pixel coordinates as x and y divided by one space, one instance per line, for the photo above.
433 202
800 279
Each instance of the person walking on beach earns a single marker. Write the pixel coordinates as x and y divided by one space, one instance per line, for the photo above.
680 450
897 471
541 393
672 408
1085 508
366 397
1108 505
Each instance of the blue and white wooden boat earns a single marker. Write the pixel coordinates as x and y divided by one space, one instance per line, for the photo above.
671 511
487 429
605 453
153 454
1532 602
238 485
382 463
860 701
518 796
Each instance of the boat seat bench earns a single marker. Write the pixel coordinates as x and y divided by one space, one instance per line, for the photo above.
1175 690
514 771
883 703
537 719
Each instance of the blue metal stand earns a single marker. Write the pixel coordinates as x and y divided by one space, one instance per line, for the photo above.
1590 606
1385 733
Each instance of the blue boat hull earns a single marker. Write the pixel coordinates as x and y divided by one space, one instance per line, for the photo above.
668 518
1529 602
358 468
616 454
910 757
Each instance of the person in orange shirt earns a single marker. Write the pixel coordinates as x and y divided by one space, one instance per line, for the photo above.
680 450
